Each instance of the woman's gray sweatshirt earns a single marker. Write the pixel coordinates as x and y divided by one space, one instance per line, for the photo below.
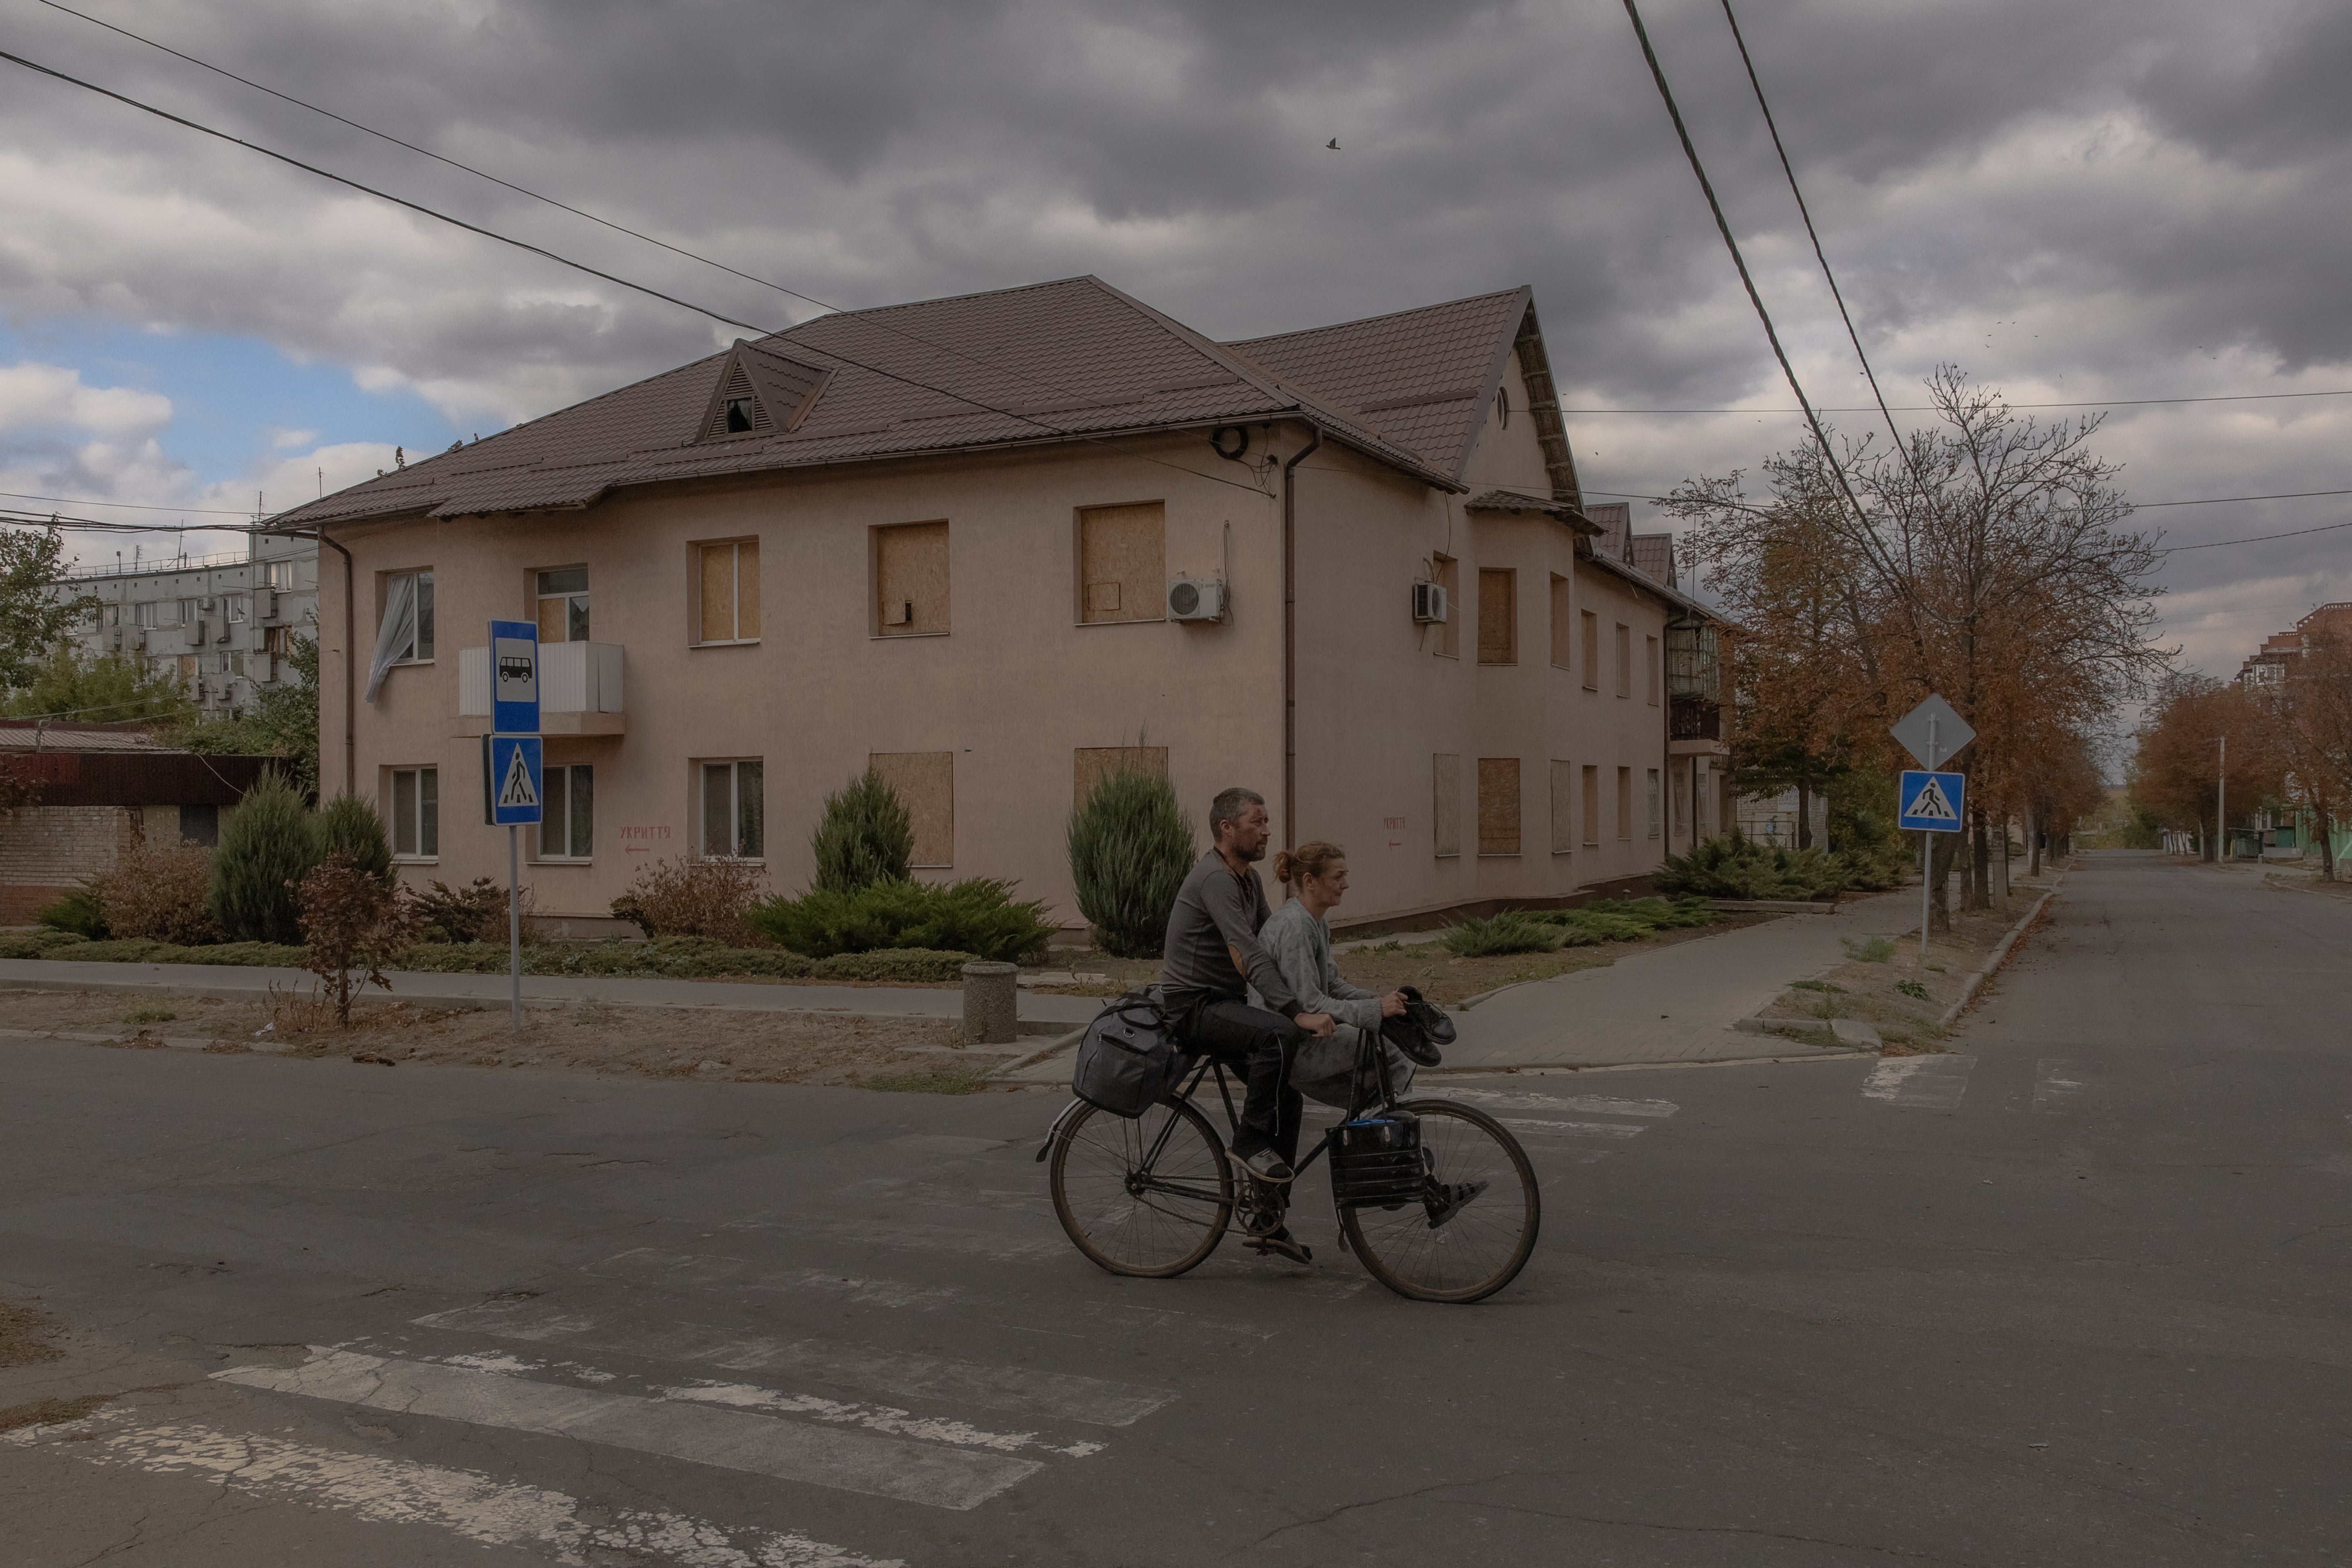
1301 946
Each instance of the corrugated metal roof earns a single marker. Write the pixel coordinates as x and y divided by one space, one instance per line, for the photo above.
50 735
1653 556
1046 362
1519 501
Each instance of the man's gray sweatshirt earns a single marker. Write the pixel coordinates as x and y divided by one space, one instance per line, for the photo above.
1218 915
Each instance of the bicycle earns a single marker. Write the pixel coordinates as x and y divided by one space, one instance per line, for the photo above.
1153 1196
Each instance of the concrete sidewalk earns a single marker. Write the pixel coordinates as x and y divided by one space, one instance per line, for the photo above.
1041 1014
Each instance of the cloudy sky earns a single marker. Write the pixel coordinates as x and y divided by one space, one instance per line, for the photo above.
2081 201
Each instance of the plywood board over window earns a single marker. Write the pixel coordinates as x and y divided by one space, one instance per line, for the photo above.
727 583
1092 764
1592 783
910 580
1445 802
1123 562
1650 670
1625 803
1561 622
925 785
1563 807
1624 659
1591 627
1499 616
1498 806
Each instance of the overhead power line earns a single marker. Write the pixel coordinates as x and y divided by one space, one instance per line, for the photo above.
648 289
1931 408
1723 226
129 506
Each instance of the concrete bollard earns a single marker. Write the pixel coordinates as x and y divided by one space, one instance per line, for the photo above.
992 1003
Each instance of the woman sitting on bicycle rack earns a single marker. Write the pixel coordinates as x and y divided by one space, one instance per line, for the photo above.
1299 935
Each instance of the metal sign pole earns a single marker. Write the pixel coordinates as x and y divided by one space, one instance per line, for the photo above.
1927 858
514 919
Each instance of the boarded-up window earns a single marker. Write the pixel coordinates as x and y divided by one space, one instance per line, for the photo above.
1677 785
1563 807
925 785
1446 573
1123 562
1653 803
1498 617
1560 625
1445 802
1498 806
1625 803
910 580
1592 783
727 588
1624 659
1591 625
1092 764
1650 670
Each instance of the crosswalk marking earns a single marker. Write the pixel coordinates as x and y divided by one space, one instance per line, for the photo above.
880 1417
467 1503
1023 1391
1591 1104
1572 1129
856 1461
2061 1086
1921 1083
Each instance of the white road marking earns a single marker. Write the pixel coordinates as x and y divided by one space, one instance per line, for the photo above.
467 1503
1058 1395
863 1462
877 1418
2060 1087
1594 1104
911 1237
1921 1083
1573 1129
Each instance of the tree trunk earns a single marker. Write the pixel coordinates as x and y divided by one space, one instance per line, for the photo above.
2004 863
1942 848
2212 839
2326 845
1805 810
1975 893
2033 842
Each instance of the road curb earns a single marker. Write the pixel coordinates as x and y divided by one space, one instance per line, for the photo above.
2000 952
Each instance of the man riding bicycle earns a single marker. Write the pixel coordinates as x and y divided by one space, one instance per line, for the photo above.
1212 957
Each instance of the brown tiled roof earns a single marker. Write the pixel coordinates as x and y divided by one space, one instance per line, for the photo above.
1045 363
1424 378
1519 501
1653 556
1615 519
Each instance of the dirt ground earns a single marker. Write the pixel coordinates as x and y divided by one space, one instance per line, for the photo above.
591 1036
1437 974
1884 983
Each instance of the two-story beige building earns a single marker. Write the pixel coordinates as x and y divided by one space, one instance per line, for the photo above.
990 545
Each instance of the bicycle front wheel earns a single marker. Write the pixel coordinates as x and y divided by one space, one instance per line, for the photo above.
1475 1225
1149 1197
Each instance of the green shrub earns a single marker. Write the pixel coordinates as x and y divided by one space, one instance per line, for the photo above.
1876 950
78 913
1607 926
1130 847
908 965
41 944
259 955
1513 931
350 826
1737 867
267 846
701 958
864 836
977 915
116 950
1913 989
475 912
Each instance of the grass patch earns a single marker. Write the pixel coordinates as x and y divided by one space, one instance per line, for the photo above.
51 1412
1817 985
1913 989
27 1335
149 1016
1513 931
946 1079
1877 950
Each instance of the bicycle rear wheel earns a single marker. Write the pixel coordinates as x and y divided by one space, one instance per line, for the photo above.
1149 1197
1449 1247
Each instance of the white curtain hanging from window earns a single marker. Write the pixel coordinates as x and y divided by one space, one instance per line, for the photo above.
397 633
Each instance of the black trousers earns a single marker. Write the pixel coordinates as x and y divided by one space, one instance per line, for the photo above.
1260 1043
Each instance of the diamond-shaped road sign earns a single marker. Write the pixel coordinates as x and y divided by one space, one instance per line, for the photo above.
1932 732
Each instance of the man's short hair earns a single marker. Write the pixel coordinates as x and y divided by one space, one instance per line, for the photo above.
1229 805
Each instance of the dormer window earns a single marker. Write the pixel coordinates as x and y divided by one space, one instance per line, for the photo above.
761 393
738 414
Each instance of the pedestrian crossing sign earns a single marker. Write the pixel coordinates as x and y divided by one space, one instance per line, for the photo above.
1933 802
515 774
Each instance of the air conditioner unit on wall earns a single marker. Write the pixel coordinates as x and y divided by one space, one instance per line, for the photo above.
1429 604
1196 599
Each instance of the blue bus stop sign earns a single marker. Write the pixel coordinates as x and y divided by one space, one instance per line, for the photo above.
514 679
1933 803
517 777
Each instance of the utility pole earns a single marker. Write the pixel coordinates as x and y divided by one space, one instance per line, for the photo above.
2221 800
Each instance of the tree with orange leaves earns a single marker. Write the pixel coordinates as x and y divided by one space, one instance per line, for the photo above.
2205 745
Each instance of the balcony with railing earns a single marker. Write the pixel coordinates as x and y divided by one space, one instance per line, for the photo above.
580 690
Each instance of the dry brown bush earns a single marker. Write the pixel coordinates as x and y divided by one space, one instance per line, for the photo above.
158 893
685 897
352 920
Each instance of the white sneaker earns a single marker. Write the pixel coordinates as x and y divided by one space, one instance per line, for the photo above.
1266 1165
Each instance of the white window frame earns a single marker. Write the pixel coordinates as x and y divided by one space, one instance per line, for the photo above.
563 789
422 828
541 595
735 616
734 806
233 608
421 610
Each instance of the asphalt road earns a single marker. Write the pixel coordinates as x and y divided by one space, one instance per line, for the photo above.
2070 1296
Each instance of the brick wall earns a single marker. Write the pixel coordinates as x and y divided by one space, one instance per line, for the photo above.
44 848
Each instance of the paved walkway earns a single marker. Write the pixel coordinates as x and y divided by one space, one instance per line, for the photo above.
1048 1013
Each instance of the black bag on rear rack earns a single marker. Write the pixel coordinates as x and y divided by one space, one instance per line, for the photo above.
1128 1059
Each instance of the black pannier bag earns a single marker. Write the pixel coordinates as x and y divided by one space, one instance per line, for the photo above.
1128 1059
1378 1160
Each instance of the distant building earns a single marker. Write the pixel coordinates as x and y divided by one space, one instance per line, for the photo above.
2271 662
224 626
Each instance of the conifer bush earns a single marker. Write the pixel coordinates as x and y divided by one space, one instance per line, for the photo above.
350 826
864 836
977 916
78 912
267 845
1513 931
1130 848
1734 865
